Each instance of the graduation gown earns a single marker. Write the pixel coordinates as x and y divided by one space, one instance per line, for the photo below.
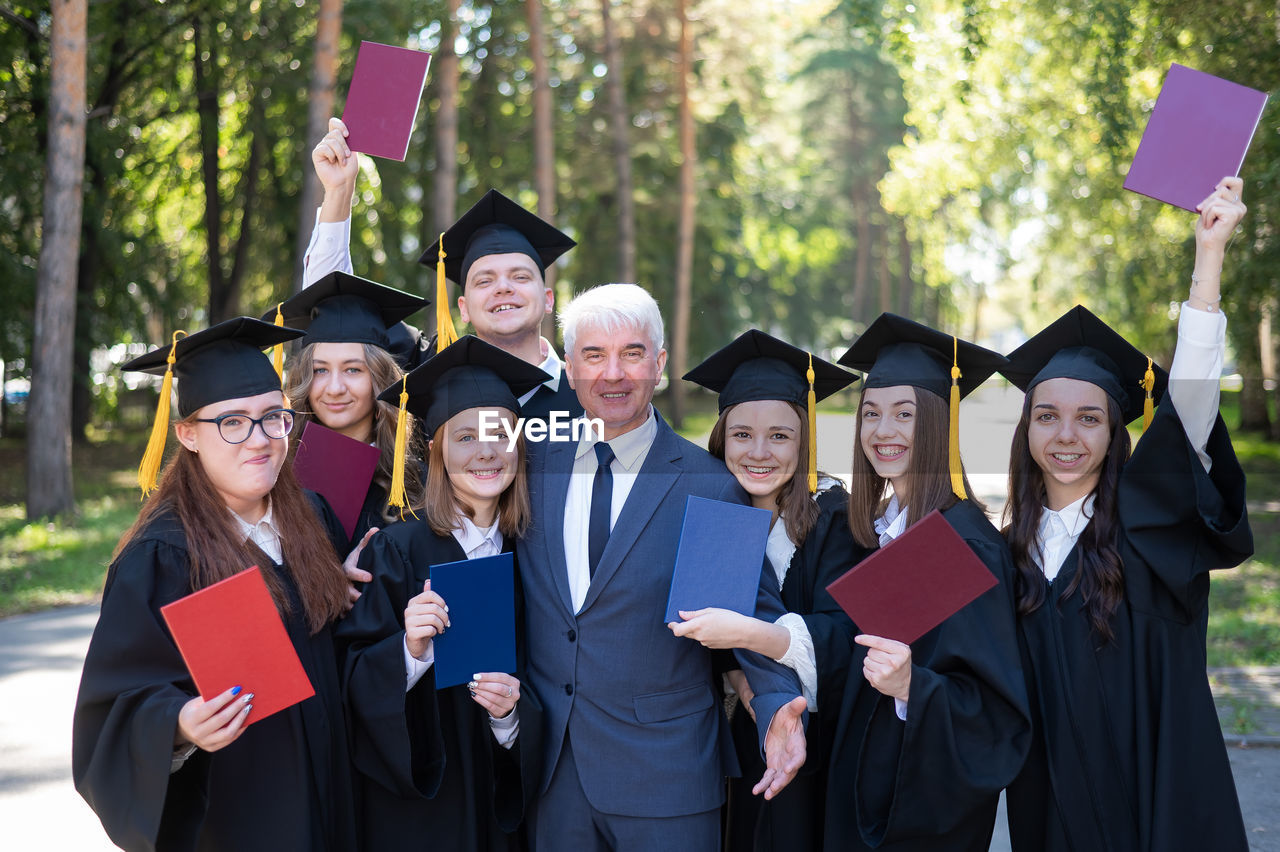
284 784
793 819
933 782
428 765
1128 753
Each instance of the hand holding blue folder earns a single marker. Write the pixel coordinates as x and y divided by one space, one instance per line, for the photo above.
481 637
719 559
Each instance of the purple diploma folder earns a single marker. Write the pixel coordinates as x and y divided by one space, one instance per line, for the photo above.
1198 134
719 557
382 102
337 468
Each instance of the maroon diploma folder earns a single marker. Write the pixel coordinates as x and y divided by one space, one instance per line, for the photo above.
913 583
1198 134
382 102
337 468
231 634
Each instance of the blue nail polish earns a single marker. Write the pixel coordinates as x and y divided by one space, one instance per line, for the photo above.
235 690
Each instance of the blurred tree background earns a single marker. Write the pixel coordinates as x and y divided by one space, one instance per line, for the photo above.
957 161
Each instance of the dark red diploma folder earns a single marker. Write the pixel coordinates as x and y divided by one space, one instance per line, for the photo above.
230 633
382 102
913 583
337 468
1198 134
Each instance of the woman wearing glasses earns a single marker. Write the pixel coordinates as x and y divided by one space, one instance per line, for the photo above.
163 767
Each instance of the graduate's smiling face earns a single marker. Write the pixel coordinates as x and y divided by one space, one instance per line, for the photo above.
244 473
615 374
505 297
479 471
342 394
887 423
1068 433
762 447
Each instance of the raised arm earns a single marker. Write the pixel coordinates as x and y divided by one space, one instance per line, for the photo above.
336 165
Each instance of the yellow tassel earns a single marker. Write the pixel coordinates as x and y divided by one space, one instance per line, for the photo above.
953 426
445 332
397 496
813 431
154 454
277 351
1148 385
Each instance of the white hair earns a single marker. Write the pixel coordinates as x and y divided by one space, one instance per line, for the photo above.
611 308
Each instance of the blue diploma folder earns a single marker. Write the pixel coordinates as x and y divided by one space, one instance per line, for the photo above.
719 558
481 597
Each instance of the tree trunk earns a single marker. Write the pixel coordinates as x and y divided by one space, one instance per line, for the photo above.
544 162
49 489
886 283
1253 394
446 118
905 284
862 256
685 229
620 120
320 106
207 111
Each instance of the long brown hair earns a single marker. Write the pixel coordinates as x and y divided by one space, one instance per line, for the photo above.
217 551
1100 572
442 507
384 372
796 506
929 479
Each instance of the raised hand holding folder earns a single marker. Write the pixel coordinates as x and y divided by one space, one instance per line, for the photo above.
230 634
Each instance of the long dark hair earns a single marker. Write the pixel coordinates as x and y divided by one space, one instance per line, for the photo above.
796 507
1100 573
216 550
930 478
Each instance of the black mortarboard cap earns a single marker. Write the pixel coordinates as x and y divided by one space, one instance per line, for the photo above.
497 225
224 361
1078 345
897 351
758 366
468 373
342 308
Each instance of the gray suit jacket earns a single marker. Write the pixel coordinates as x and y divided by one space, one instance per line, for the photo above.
639 704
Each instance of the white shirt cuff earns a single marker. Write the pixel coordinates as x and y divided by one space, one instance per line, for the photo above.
900 708
328 251
800 657
415 668
506 729
1194 375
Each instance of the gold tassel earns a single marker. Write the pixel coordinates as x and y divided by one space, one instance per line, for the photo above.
1148 385
154 454
445 332
953 426
277 351
397 496
813 431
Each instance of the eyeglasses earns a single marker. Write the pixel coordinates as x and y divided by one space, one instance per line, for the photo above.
236 428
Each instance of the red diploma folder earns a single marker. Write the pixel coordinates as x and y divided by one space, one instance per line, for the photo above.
337 468
1198 134
913 583
230 633
382 102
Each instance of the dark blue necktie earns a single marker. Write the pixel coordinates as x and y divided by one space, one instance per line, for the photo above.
601 504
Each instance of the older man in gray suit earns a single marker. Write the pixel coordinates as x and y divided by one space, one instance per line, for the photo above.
636 745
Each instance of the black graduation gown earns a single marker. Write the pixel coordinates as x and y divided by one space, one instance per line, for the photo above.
544 401
284 784
428 765
933 782
1128 753
370 515
793 819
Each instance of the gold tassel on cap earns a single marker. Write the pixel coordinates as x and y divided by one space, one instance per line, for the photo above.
154 454
953 425
445 332
277 351
813 431
397 497
1148 385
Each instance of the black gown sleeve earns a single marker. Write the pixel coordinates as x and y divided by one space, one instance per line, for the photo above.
133 686
967 730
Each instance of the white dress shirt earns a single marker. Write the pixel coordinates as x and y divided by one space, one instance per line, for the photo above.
629 450
889 526
264 534
1058 532
475 542
328 251
552 367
